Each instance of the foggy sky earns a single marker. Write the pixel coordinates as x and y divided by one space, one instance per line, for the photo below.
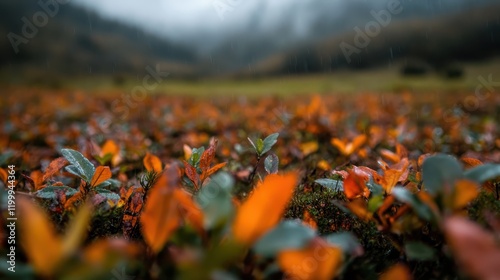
198 23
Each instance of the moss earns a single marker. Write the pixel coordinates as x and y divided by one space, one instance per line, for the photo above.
106 221
485 204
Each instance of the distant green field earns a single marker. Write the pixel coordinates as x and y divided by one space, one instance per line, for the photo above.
379 80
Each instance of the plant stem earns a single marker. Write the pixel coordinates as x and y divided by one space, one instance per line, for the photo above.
252 175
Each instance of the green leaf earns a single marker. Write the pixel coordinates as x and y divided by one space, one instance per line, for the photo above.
375 202
334 185
103 160
108 194
440 171
483 172
375 189
268 143
5 157
73 170
286 235
50 192
213 260
196 153
260 146
82 165
23 271
419 251
422 209
271 164
104 184
113 184
345 241
253 145
215 200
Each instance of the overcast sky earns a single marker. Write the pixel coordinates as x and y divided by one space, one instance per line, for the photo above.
207 23
183 19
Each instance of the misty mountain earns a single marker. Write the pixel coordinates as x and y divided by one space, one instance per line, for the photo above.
438 42
334 21
93 37
76 41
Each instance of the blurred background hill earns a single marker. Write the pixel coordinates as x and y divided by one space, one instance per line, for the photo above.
194 40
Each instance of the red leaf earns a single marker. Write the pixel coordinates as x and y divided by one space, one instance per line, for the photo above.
192 174
208 156
355 183
54 167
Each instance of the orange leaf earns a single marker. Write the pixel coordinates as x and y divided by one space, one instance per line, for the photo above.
470 162
358 141
465 192
187 151
152 163
308 148
97 252
348 148
401 151
37 178
388 155
193 213
3 175
264 208
339 144
161 216
355 183
109 147
71 201
309 221
475 249
359 208
38 238
212 170
77 230
101 174
397 272
421 159
393 174
324 165
319 260
54 167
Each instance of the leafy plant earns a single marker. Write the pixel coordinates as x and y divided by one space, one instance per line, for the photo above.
94 180
263 146
199 167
